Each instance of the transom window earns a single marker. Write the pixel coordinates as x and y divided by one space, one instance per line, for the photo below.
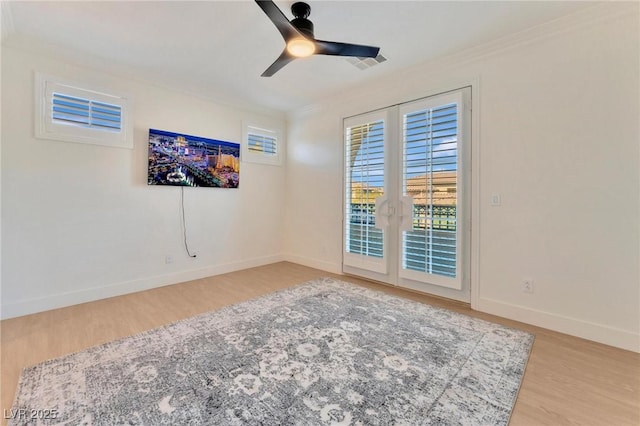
74 112
262 144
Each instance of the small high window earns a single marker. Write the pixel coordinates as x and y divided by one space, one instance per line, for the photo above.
67 112
258 142
261 145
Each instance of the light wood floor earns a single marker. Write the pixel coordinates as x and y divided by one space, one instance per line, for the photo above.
568 381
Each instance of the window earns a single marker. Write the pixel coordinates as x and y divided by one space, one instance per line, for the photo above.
67 112
261 145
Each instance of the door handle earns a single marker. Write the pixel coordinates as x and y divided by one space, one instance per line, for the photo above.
383 212
406 213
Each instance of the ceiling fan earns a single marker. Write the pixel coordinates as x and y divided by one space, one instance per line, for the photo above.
298 35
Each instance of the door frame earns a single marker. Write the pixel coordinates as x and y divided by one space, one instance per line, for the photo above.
471 293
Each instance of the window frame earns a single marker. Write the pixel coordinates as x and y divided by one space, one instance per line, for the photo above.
48 128
459 98
362 261
260 129
399 210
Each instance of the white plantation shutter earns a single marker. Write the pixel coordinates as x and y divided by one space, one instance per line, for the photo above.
365 167
431 165
67 112
261 143
86 112
364 183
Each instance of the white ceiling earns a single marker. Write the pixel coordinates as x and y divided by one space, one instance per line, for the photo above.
219 49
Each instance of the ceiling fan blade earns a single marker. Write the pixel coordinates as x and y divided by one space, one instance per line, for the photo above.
282 60
279 19
345 49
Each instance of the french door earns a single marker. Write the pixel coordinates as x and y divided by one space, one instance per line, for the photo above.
406 205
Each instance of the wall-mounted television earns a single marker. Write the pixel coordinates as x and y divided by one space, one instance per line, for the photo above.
177 159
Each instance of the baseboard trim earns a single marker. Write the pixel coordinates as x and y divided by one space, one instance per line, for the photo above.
314 263
61 300
611 336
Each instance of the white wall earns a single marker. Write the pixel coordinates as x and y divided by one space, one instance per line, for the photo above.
79 221
558 139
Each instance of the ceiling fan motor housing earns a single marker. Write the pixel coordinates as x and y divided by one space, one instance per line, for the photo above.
301 12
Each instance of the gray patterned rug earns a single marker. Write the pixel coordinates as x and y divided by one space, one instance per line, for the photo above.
321 353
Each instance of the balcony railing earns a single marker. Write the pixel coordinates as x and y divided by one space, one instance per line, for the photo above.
430 246
424 217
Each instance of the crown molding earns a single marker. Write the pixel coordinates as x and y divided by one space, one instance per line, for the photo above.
587 17
584 18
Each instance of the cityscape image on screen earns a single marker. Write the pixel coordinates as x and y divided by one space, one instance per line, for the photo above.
184 160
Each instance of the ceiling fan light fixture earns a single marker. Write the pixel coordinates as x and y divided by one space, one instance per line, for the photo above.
301 47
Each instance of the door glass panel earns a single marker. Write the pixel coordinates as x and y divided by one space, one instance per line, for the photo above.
430 177
365 166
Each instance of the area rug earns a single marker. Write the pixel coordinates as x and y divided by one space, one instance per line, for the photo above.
322 353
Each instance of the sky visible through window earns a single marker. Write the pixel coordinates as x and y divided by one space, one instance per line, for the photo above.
431 138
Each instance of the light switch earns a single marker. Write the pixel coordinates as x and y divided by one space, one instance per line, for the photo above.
495 199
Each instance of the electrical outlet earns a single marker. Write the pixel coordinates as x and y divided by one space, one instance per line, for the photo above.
527 285
168 259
